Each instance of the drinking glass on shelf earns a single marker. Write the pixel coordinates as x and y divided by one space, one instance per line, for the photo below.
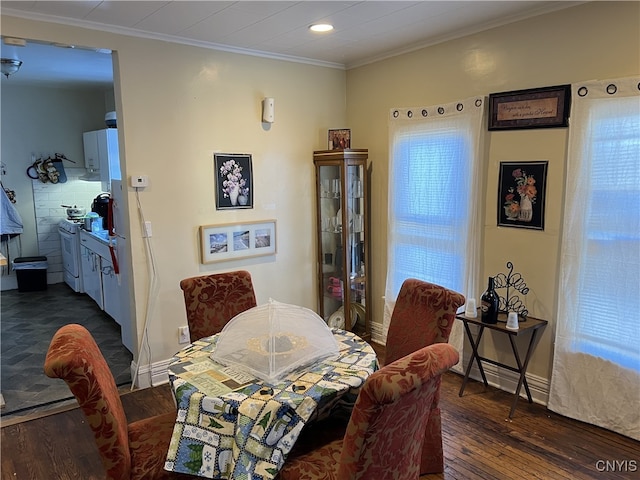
325 188
335 187
336 224
357 188
357 222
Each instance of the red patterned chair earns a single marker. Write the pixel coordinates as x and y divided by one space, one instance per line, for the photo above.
423 315
212 300
384 436
134 451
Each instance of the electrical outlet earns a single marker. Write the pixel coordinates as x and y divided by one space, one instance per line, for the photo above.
183 334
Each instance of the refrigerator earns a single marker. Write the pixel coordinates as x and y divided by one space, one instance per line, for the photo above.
123 285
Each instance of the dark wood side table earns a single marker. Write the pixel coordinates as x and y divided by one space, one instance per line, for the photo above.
530 325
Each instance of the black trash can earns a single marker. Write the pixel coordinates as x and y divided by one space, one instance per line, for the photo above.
31 273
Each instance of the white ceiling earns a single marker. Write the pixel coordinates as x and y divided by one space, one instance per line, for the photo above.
365 31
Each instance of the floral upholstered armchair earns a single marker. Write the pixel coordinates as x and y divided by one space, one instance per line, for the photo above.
212 300
385 433
129 451
423 315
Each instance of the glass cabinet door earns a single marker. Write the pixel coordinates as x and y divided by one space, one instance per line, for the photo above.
355 241
331 245
342 193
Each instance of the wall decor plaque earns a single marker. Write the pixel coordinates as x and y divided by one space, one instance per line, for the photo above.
534 108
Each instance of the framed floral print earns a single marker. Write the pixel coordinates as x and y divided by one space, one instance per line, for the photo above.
234 180
521 194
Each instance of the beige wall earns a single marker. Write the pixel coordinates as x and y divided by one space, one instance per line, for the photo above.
177 105
595 40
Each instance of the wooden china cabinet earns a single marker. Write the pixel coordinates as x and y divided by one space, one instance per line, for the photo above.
342 199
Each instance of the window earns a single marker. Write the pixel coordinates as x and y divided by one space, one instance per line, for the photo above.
609 276
431 208
434 205
596 360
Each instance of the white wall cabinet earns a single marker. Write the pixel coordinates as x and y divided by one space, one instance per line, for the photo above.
101 155
91 154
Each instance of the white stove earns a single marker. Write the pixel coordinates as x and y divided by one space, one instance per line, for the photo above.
70 225
70 244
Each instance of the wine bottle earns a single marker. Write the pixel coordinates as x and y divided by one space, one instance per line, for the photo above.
489 304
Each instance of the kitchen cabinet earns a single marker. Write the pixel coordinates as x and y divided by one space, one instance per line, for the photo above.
101 155
108 289
91 275
342 200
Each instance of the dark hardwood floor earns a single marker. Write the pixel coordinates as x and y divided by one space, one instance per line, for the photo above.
480 442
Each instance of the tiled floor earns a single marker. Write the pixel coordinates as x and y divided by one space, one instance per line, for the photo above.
29 320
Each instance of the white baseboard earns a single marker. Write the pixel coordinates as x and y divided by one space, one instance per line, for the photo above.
150 375
507 380
377 335
498 377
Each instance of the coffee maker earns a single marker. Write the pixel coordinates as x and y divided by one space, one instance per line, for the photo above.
100 205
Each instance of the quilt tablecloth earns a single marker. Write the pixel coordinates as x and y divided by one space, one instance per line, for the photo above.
231 425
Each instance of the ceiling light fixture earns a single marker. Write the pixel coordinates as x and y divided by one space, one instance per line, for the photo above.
10 66
321 27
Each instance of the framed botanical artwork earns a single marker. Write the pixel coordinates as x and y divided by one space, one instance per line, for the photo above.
533 108
339 139
232 241
234 180
522 189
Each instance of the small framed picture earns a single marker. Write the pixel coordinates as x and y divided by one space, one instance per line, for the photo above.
232 241
521 196
234 180
339 139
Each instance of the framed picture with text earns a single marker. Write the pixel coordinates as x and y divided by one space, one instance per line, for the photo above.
534 108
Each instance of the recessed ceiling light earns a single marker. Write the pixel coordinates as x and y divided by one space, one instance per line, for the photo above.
321 27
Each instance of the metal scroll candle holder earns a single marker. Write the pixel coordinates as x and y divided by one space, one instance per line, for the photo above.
514 284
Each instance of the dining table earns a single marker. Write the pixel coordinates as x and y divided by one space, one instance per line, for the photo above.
232 425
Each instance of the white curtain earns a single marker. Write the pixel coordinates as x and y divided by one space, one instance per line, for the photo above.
435 172
596 367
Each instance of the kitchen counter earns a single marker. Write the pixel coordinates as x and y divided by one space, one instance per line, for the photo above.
97 242
101 235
